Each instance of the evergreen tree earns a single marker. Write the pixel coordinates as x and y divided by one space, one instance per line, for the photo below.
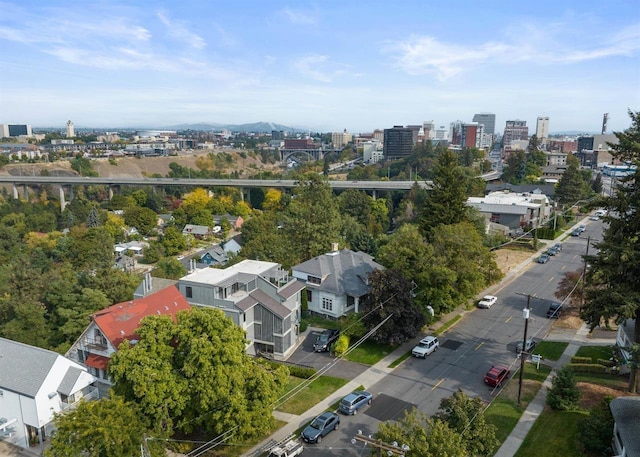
572 187
563 395
612 289
446 201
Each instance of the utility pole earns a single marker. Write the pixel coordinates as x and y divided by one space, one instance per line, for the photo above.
392 449
524 353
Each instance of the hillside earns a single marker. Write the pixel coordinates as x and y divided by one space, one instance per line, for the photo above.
138 167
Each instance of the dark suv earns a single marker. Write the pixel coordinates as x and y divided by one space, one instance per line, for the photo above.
554 310
325 340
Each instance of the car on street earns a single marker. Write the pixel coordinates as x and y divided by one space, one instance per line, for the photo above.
554 310
487 301
595 218
576 232
558 247
320 427
544 258
351 403
531 344
552 251
325 340
582 228
496 375
426 346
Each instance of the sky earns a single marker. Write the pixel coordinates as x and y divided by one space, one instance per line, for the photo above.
324 66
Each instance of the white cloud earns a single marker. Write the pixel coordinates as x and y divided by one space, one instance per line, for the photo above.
180 31
309 66
300 17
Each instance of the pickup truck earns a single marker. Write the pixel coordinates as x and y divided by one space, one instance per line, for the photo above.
325 340
288 449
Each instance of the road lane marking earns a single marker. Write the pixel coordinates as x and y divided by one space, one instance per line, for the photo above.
551 278
478 346
507 321
437 384
563 267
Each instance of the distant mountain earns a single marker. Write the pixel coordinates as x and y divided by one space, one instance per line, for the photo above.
573 133
256 127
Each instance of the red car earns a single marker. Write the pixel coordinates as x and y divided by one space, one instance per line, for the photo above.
496 375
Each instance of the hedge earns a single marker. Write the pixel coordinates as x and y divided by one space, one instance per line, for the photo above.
576 359
587 367
295 370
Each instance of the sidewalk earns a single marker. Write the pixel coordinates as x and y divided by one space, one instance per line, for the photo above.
575 338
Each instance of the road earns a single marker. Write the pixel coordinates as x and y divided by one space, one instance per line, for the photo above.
483 337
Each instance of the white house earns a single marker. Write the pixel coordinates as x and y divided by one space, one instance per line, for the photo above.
34 385
515 210
336 281
626 337
258 296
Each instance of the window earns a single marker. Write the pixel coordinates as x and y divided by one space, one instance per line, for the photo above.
309 295
327 304
313 279
189 292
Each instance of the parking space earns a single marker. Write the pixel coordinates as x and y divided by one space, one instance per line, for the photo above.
304 355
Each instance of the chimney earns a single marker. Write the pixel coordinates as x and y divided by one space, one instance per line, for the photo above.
334 247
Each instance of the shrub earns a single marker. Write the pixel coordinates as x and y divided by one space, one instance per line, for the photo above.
303 326
294 370
341 346
564 394
587 367
576 359
596 431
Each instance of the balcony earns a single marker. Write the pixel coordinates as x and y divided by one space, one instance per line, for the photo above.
93 344
90 393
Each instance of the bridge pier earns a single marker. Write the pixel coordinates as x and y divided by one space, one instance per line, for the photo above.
25 190
15 192
63 202
110 190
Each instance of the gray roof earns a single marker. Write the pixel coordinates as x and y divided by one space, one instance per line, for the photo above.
23 368
342 272
196 229
258 297
499 208
69 380
290 289
546 189
626 411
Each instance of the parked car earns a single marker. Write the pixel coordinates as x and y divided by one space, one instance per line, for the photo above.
531 344
325 340
576 232
595 217
354 401
558 247
554 310
582 228
487 301
320 427
544 258
496 375
426 346
551 251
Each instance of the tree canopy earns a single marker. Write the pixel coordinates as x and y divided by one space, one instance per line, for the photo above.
170 374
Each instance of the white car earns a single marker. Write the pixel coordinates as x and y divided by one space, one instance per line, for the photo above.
426 346
487 301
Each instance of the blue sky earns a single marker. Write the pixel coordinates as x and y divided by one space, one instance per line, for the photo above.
325 65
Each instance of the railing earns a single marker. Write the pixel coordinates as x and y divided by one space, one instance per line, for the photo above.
91 394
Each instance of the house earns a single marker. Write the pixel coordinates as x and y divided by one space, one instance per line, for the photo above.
336 281
198 231
214 256
515 210
233 244
258 296
626 337
626 426
235 221
111 326
34 385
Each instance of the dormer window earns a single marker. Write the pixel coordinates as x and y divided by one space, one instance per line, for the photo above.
313 279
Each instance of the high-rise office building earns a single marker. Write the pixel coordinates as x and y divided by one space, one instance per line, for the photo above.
398 142
70 130
542 128
514 130
471 135
486 119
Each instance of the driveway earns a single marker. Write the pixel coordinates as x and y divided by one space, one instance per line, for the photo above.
305 356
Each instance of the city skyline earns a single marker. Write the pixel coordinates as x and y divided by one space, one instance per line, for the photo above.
325 66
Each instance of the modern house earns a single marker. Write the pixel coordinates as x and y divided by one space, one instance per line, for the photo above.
198 231
111 326
515 210
336 281
626 426
258 296
34 385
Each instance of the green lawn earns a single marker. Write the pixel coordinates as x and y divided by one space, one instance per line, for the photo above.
609 380
551 350
369 352
554 433
310 395
447 325
504 414
595 352
400 359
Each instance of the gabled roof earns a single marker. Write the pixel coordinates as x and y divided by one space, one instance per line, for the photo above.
121 320
196 229
342 272
258 297
625 412
23 368
70 378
